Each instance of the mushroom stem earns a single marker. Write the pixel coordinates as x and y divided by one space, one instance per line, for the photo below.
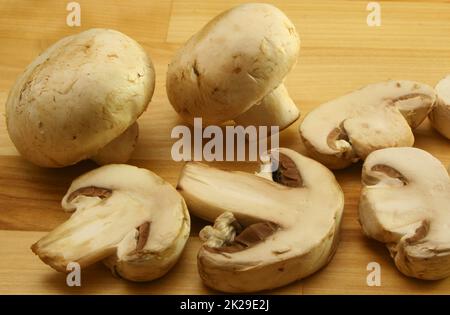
120 149
275 109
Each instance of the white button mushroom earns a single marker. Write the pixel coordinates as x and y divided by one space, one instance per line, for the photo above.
342 131
233 69
405 203
126 216
440 115
269 230
80 99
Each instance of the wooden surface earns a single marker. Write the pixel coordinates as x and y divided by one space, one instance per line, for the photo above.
339 53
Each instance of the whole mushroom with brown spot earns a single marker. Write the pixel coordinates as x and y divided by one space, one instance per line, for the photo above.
80 99
233 69
270 229
138 227
343 131
405 203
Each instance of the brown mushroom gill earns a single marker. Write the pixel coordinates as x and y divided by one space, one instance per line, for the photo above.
90 191
144 231
142 237
287 174
249 237
389 171
337 134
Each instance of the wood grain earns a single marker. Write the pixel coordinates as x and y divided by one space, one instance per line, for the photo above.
339 53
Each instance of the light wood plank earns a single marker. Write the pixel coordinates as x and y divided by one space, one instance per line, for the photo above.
21 272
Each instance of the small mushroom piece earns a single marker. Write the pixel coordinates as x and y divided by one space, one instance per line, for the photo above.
405 203
127 217
80 99
440 115
345 130
233 69
270 229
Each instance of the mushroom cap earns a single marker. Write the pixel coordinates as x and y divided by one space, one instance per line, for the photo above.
342 131
77 96
307 220
115 205
405 203
440 115
232 63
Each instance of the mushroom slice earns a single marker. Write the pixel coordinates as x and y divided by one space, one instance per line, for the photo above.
440 115
80 99
126 216
270 229
234 68
340 132
405 203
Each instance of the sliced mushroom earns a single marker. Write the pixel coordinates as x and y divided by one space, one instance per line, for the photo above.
405 203
233 69
440 115
126 216
80 99
345 130
266 233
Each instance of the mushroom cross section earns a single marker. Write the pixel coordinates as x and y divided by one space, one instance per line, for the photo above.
342 131
440 115
127 217
405 203
270 229
234 68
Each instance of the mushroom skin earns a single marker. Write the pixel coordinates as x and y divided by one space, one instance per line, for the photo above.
233 69
405 203
120 149
440 115
127 217
265 234
78 96
343 131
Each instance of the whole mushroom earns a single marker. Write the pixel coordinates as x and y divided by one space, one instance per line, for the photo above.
80 100
440 115
270 229
127 217
405 203
233 69
380 115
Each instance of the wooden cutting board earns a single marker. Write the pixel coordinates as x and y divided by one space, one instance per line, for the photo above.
340 53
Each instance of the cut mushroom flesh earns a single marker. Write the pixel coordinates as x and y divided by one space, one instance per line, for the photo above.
340 132
266 234
405 203
440 115
126 216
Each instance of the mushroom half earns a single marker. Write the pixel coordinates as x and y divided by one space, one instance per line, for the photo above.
127 217
233 69
405 203
345 130
440 115
80 99
270 229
